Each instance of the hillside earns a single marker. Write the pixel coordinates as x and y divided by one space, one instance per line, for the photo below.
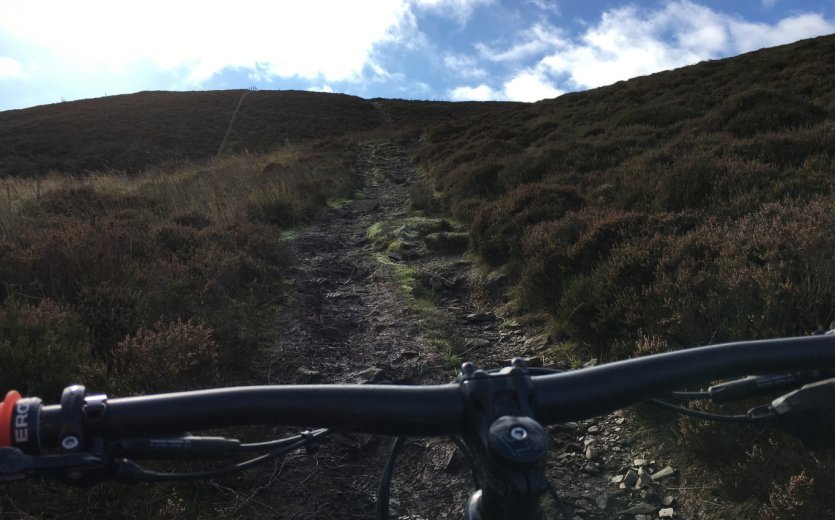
683 208
136 131
557 188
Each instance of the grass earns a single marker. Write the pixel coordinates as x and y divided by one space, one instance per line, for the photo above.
434 322
154 282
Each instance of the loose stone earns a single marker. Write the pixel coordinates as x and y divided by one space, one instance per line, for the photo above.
664 473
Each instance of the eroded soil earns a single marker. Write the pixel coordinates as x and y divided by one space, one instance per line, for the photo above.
349 320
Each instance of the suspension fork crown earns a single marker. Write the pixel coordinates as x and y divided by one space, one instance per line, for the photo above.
507 444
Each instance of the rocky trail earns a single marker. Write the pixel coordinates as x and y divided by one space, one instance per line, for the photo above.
351 319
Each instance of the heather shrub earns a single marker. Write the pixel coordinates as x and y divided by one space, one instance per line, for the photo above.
465 210
447 242
687 183
527 168
422 198
166 289
784 480
557 251
109 310
223 272
763 110
192 219
771 273
44 348
70 253
275 210
788 148
78 201
170 356
663 115
473 180
608 305
258 242
498 226
799 498
175 239
613 279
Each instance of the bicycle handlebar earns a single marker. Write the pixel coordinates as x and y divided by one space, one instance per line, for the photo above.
593 391
420 410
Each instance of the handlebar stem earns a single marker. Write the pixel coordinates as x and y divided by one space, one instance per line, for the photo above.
508 445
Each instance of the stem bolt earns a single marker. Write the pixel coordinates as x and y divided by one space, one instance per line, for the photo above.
519 433
70 442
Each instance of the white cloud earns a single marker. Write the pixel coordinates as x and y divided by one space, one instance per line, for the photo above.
626 42
464 66
539 38
321 88
749 36
629 42
316 39
479 93
530 86
545 5
11 68
459 9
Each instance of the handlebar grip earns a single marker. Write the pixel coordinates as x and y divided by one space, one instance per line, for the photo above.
6 422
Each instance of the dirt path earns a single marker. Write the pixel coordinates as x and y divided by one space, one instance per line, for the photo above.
348 321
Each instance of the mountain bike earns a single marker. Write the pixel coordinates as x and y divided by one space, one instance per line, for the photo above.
496 417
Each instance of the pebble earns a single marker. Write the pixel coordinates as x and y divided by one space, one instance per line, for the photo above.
643 480
630 478
667 501
649 495
478 317
602 501
592 453
437 283
593 429
666 513
477 343
537 342
664 473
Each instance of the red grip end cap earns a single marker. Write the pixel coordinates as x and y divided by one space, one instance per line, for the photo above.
6 409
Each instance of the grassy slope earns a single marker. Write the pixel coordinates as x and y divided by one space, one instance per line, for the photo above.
133 132
682 208
555 188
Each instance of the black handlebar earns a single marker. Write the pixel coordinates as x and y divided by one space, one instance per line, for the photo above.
438 409
589 392
376 409
498 417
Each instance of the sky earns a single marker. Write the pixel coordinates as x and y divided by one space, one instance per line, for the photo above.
523 50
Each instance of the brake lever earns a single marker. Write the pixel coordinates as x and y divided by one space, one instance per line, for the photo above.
809 413
15 465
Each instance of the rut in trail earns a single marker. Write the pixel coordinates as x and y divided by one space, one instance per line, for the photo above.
347 321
